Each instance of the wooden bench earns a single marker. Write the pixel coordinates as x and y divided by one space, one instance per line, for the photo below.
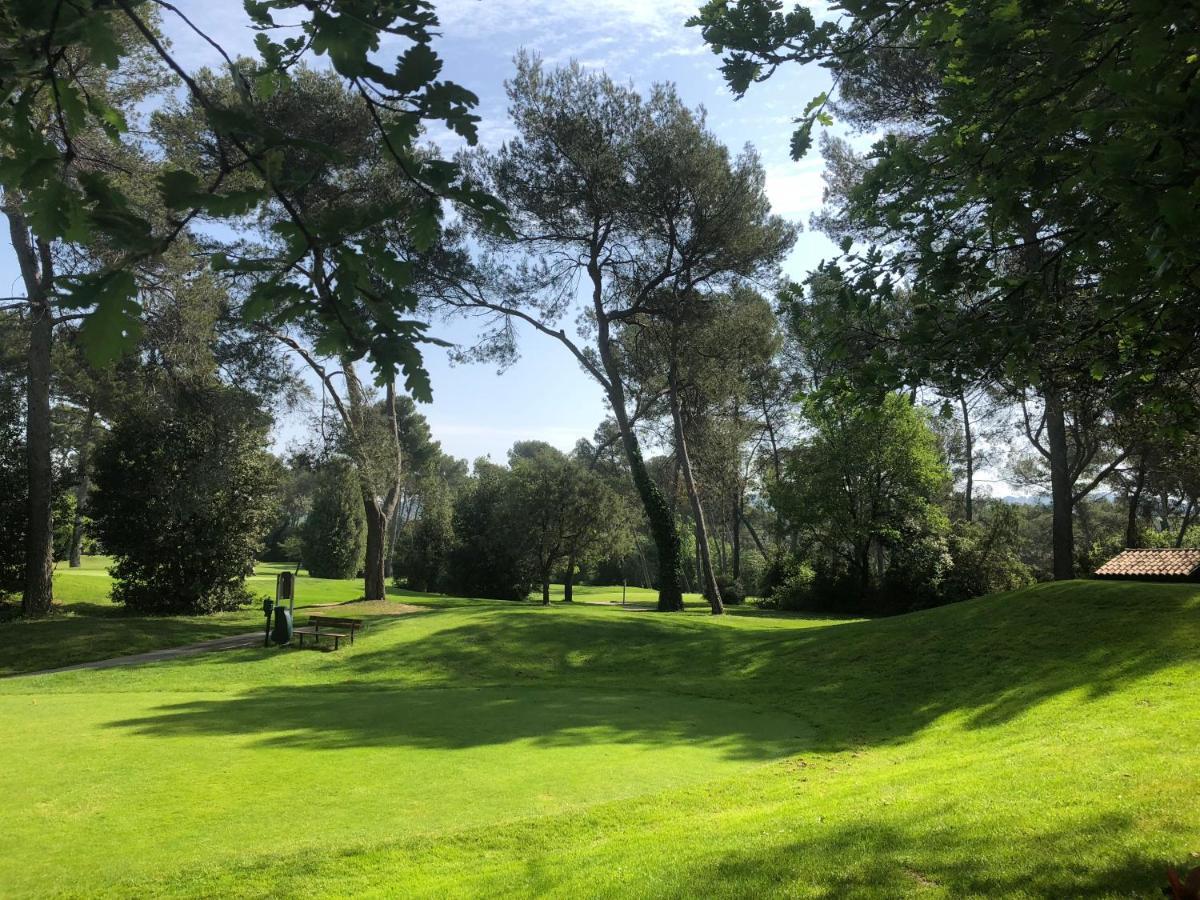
347 627
317 634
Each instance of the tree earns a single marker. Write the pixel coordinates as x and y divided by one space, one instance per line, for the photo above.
491 555
333 535
61 161
297 480
587 182
711 222
563 510
424 544
184 497
712 343
56 121
1010 191
864 489
352 185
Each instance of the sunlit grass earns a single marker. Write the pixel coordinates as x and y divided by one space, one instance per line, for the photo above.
1031 745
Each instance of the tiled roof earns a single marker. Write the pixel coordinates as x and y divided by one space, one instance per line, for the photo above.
1152 562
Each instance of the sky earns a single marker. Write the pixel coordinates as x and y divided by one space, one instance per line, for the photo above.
546 395
477 411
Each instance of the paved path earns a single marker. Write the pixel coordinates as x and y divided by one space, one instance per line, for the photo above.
226 643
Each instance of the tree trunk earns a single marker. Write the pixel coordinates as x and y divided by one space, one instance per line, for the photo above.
736 537
1132 532
82 488
545 590
39 538
658 512
1187 521
708 580
969 448
1063 535
721 556
753 534
39 529
569 581
862 562
374 581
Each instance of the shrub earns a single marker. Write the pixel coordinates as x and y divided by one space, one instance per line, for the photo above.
732 591
490 557
184 495
986 559
791 585
333 537
423 547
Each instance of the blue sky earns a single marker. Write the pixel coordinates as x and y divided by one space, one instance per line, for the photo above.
477 411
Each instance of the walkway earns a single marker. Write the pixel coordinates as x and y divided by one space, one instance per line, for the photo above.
137 659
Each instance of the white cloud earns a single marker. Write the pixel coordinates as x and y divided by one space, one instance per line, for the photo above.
578 28
795 189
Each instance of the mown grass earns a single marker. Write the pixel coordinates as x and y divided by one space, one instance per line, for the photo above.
1030 745
86 625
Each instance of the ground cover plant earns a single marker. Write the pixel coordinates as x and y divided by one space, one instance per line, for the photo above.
1029 744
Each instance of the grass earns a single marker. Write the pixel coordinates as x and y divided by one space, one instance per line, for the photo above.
86 625
1027 745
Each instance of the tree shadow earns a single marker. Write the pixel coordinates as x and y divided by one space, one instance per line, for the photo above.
875 681
854 684
332 717
906 856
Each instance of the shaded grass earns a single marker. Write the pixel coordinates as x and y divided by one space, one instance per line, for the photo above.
86 625
1035 744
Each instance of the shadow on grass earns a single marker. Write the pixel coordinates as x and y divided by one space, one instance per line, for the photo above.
896 857
66 640
328 717
856 684
862 682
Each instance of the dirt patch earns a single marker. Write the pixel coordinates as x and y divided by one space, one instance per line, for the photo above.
367 607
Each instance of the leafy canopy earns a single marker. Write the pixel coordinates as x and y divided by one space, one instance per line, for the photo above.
359 285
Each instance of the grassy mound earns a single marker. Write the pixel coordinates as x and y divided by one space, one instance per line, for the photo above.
1034 744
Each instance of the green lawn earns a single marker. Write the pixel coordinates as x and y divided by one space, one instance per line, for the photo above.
87 625
1037 744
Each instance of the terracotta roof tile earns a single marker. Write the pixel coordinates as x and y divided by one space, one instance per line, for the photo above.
1157 563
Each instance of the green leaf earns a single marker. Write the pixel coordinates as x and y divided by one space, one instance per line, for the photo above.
55 211
114 324
416 68
802 140
424 224
177 188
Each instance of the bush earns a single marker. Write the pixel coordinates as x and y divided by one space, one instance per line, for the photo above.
423 547
490 557
732 592
184 495
986 559
333 538
791 585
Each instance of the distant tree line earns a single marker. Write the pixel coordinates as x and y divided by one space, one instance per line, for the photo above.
1015 293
